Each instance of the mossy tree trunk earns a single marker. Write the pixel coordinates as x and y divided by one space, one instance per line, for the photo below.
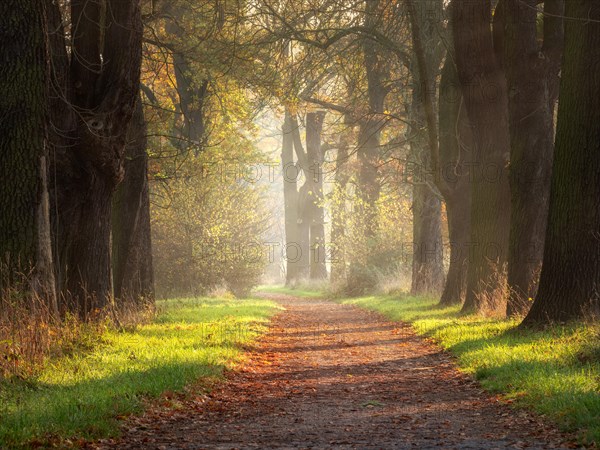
569 286
25 241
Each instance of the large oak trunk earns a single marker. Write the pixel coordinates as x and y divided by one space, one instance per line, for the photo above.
456 152
104 75
570 279
24 203
458 213
88 287
531 109
485 94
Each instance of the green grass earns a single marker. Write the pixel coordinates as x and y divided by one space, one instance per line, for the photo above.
300 291
555 372
82 395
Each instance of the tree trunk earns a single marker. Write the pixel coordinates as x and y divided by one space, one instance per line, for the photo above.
531 112
303 236
132 248
370 126
569 286
290 201
192 92
24 83
457 209
485 94
456 152
314 178
89 276
361 277
304 208
368 152
104 76
428 264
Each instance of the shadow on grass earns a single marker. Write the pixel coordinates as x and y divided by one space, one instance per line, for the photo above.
83 395
553 371
88 409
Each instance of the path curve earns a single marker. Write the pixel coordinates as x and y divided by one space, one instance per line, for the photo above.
336 376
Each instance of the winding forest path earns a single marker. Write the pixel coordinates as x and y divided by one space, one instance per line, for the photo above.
335 376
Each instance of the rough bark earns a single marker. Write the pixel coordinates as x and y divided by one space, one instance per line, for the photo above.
316 158
24 83
570 280
132 246
531 112
485 95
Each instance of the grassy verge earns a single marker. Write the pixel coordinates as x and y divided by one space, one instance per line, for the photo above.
555 372
82 395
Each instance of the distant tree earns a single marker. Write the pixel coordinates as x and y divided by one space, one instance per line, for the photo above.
316 212
290 172
372 123
338 208
569 286
428 267
131 239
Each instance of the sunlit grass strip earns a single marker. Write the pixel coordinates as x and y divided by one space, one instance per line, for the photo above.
555 372
82 395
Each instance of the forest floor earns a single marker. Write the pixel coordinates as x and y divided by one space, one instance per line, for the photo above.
335 376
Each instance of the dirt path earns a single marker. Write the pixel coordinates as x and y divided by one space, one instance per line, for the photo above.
333 376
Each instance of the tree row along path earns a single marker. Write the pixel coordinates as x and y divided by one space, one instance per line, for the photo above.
335 376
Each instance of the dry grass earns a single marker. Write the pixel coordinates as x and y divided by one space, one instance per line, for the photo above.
30 334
